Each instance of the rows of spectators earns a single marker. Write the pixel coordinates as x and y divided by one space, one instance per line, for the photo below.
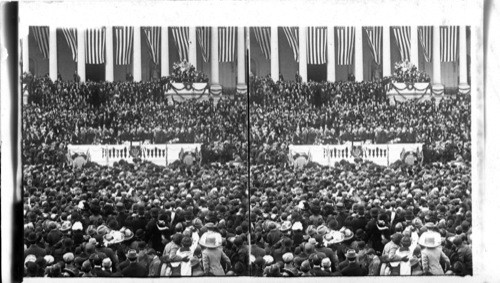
283 113
138 220
358 219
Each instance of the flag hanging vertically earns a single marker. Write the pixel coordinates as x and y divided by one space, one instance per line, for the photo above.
181 38
41 34
375 40
153 36
95 42
425 36
449 43
227 43
345 45
263 36
316 45
70 36
203 34
292 35
402 35
124 38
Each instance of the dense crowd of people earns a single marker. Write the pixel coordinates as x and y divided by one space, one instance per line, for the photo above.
284 113
358 219
61 113
214 218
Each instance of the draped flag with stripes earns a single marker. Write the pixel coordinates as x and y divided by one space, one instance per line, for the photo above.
449 43
292 35
227 43
41 35
345 43
124 39
181 38
402 35
70 36
263 36
316 45
375 40
95 42
425 37
203 34
153 36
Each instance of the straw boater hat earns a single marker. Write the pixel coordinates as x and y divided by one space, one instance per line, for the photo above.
430 239
209 242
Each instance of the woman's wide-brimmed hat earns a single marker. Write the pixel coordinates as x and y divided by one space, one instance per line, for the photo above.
334 237
210 241
430 239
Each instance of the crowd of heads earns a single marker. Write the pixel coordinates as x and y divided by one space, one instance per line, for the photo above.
140 219
357 219
284 113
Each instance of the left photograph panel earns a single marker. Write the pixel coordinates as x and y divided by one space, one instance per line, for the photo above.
134 149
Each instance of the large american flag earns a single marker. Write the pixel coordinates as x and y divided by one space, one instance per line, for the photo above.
292 35
345 43
95 42
316 45
70 36
181 38
263 36
227 43
449 43
124 39
41 34
203 34
425 36
375 40
402 35
153 36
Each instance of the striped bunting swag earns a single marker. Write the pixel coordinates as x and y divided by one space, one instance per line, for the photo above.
345 43
316 45
375 41
425 38
227 43
449 43
95 42
263 36
203 34
41 35
181 38
402 35
292 35
70 36
153 36
124 38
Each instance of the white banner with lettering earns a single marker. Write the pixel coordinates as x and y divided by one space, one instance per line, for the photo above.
381 154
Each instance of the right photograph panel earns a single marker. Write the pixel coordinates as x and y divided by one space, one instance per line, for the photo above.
360 150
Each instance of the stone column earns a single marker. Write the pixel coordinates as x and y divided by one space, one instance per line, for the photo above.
303 53
192 47
25 54
53 53
137 73
164 52
414 45
215 87
80 67
275 56
436 61
463 85
110 62
358 53
386 51
241 86
330 53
